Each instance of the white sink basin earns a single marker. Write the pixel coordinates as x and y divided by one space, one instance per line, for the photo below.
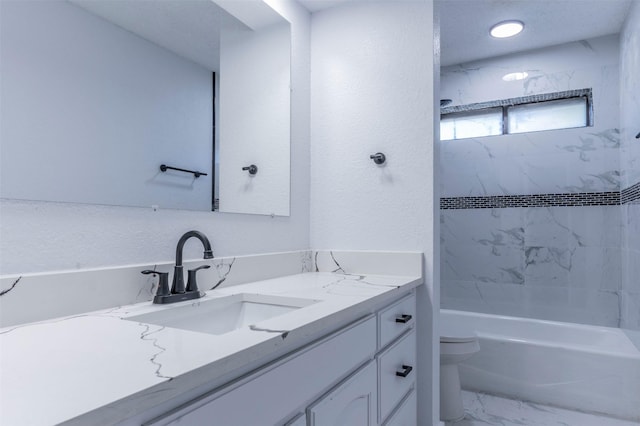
224 314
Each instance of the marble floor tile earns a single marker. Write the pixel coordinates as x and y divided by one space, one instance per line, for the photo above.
483 409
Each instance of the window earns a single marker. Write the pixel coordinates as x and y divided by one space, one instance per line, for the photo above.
461 125
550 115
562 110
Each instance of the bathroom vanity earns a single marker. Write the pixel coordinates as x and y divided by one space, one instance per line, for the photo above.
359 374
312 348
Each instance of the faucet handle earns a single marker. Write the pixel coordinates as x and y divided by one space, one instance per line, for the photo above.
192 285
163 284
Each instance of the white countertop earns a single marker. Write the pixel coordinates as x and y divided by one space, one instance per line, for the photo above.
106 369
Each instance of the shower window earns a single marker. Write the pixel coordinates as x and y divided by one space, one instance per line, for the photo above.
472 124
550 115
551 111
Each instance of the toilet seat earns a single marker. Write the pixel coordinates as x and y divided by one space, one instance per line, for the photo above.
450 333
457 339
457 352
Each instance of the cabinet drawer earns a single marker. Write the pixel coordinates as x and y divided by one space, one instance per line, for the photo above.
407 413
395 320
396 373
277 390
352 403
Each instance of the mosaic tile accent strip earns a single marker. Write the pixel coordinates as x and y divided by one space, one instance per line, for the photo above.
631 194
535 200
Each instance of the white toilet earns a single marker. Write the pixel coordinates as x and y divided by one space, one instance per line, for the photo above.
456 345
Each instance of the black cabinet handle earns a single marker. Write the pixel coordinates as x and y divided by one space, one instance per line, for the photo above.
406 369
404 318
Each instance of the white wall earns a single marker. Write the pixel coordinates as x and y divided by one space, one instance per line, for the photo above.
40 236
91 111
372 89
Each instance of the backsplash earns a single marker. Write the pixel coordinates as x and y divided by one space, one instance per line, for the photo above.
37 297
368 262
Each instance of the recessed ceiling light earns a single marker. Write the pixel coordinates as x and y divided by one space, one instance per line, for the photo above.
514 76
506 29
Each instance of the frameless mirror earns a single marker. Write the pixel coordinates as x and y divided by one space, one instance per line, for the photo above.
97 95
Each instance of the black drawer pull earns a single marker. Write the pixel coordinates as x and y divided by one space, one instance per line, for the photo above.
404 318
406 369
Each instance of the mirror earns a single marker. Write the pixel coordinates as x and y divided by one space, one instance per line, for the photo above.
98 94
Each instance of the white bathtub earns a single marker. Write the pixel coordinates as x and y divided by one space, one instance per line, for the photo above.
588 368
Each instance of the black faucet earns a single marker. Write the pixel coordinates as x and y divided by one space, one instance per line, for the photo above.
178 275
178 291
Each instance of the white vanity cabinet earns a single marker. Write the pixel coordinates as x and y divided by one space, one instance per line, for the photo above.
396 373
270 396
351 403
352 377
406 413
396 357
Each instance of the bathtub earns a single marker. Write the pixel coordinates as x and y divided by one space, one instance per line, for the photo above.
587 368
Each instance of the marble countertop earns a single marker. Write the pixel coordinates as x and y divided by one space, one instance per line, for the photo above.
99 368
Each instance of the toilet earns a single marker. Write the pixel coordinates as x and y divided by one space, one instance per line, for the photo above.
456 345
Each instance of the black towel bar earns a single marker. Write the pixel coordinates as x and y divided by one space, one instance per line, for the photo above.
164 168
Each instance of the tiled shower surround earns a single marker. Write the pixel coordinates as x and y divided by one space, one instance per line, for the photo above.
556 263
630 166
545 224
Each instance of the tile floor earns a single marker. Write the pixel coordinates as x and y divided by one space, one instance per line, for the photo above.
483 409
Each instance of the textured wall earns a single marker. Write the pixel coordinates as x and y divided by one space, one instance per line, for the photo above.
630 162
40 237
370 94
372 90
557 263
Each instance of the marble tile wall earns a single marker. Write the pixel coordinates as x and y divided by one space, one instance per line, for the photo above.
556 263
630 316
630 166
560 262
630 98
568 160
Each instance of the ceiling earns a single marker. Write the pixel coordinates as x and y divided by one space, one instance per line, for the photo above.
465 24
